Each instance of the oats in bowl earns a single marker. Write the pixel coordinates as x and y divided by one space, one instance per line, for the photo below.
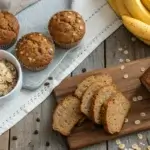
8 77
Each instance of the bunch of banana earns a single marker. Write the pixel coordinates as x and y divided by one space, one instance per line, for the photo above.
135 15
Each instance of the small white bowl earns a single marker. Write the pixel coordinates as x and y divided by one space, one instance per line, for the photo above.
13 93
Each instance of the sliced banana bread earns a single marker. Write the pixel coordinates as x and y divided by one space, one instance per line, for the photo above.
66 115
103 94
113 112
82 87
91 91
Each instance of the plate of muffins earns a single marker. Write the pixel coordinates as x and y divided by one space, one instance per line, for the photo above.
40 53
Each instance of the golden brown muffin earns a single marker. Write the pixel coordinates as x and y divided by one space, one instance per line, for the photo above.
67 28
9 29
35 51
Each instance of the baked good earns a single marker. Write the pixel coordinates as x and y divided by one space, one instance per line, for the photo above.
9 29
103 94
82 87
8 77
66 115
113 112
35 51
87 98
145 79
67 28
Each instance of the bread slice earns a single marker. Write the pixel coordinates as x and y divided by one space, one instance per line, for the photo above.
113 112
145 79
91 91
66 115
103 94
82 87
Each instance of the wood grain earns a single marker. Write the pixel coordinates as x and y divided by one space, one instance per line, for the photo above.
130 87
4 141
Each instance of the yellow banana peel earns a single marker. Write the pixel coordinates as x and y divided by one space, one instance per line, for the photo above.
146 3
113 5
121 8
144 41
137 10
137 27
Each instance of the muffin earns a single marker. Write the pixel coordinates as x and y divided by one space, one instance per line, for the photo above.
35 51
67 28
9 29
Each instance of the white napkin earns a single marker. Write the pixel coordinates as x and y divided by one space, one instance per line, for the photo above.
101 22
15 6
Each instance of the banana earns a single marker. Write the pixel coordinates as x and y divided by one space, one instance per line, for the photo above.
146 3
137 27
121 8
144 41
137 10
112 3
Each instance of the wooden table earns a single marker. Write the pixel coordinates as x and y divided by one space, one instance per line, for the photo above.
34 131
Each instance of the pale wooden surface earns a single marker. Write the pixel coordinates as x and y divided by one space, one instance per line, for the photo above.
106 54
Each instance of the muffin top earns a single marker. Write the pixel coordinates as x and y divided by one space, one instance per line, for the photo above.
67 27
35 50
9 27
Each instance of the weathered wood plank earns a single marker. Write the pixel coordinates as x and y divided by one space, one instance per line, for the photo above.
94 61
4 141
34 132
122 39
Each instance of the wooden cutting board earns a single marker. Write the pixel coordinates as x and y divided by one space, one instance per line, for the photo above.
87 133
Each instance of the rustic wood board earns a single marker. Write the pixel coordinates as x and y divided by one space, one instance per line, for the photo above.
88 133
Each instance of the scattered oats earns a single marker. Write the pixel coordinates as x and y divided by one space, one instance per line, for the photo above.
121 60
122 67
130 149
142 144
120 49
137 122
135 146
121 146
126 120
139 98
133 39
118 142
148 147
134 99
140 136
128 60
125 52
142 69
125 76
142 114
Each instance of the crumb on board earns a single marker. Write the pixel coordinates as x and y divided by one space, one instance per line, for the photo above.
126 76
142 69
139 98
122 67
134 98
125 52
142 114
137 122
126 120
120 49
